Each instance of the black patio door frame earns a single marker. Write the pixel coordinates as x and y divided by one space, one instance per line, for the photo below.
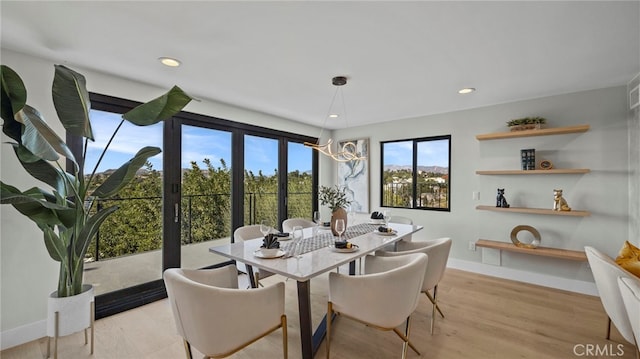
141 294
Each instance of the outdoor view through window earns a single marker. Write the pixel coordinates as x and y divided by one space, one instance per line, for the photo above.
131 239
415 173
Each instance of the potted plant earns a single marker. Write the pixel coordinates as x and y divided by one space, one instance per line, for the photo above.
64 211
336 199
526 123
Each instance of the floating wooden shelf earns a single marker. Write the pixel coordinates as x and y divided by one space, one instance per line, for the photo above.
571 213
530 133
554 171
540 251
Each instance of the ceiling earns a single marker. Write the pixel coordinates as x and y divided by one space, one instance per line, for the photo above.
402 59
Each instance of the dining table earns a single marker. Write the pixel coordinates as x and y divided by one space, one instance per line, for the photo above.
316 254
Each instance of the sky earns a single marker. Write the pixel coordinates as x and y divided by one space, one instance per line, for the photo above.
430 153
197 144
200 143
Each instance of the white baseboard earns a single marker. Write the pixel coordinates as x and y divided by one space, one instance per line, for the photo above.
24 334
544 280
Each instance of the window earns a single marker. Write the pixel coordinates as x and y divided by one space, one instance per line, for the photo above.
416 173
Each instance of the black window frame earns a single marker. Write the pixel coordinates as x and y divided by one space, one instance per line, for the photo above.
414 169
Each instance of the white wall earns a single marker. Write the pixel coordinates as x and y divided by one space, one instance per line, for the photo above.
604 191
28 274
634 168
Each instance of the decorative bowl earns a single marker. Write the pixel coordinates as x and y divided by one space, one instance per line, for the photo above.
269 252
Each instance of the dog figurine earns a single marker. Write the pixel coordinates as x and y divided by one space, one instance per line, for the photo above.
500 200
559 203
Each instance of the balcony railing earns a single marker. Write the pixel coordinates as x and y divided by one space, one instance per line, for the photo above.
429 195
136 227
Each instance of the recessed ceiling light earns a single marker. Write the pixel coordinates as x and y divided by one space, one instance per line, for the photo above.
168 61
334 115
466 90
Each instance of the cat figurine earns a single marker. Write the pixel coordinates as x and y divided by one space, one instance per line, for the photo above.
500 200
559 203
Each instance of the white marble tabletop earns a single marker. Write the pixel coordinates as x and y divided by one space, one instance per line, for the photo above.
316 262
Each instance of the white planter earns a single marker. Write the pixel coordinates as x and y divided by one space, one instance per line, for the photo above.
68 315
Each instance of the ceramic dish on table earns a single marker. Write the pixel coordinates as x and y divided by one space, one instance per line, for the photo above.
354 247
276 254
392 233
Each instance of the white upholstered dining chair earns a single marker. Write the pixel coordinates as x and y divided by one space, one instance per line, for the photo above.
215 317
384 297
245 233
289 223
438 252
605 273
630 291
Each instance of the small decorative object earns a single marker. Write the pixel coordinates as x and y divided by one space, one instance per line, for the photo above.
536 235
270 241
526 123
528 159
559 203
336 198
546 165
377 215
500 200
385 229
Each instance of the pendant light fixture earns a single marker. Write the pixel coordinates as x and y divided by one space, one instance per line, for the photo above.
348 151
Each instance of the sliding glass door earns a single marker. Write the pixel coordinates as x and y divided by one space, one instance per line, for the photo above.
212 176
206 194
261 182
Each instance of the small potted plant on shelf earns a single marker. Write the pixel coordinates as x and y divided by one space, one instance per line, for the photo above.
336 199
526 123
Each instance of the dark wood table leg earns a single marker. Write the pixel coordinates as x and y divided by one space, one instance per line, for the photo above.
352 268
252 278
306 327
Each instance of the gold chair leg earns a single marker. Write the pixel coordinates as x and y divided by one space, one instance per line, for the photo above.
93 323
187 349
405 345
434 304
434 299
55 338
257 277
328 338
285 340
405 338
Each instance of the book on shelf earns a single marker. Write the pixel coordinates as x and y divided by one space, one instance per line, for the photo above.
528 159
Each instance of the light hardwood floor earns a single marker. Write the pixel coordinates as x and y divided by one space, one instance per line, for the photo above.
486 317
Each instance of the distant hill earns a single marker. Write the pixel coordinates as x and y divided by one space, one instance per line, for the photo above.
435 169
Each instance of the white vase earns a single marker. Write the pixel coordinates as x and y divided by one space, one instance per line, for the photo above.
68 315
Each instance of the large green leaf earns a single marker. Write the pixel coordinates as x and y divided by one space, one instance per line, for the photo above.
13 97
55 247
127 172
71 99
159 109
90 229
39 138
37 205
41 169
